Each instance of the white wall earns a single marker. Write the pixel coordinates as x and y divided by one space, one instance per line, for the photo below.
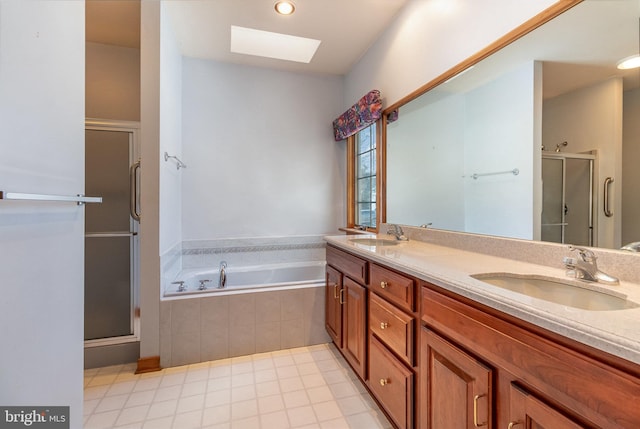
590 119
260 150
112 82
434 148
428 38
170 136
150 42
42 244
499 131
631 167
425 164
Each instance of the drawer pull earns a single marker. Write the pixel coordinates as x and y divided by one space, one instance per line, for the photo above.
512 424
335 291
342 296
384 284
384 381
384 325
475 411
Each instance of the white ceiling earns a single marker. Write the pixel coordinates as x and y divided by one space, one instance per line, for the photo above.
346 28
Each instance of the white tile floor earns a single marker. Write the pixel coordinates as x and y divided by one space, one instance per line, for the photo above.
308 387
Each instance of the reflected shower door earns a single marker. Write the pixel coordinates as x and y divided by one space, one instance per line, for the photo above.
567 199
553 200
110 236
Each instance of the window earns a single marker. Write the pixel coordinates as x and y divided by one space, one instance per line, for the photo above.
363 192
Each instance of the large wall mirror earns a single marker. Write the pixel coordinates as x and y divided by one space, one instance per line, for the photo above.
540 140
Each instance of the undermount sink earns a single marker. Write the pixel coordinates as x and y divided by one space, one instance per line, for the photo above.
374 242
557 291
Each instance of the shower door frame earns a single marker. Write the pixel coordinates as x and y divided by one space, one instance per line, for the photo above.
133 128
563 156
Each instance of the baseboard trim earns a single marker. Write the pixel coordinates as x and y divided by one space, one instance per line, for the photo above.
148 364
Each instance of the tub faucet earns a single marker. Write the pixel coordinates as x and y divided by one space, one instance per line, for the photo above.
181 286
396 230
203 284
585 267
222 282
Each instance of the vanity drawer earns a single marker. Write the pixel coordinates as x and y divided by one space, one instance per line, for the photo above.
348 264
392 383
393 286
392 326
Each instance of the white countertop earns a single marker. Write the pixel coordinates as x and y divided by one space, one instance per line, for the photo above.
616 332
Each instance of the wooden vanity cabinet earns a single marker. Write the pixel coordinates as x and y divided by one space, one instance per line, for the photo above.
345 306
392 322
374 326
509 374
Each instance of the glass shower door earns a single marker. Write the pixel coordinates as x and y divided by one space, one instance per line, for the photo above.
567 199
553 200
110 236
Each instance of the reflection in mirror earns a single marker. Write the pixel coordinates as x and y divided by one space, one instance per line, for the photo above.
522 144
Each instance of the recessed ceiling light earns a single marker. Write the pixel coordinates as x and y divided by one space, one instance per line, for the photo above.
631 62
261 43
285 7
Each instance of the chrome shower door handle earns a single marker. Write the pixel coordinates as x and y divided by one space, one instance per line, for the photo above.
134 190
607 208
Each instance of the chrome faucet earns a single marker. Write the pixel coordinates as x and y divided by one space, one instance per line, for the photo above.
203 284
222 282
586 268
396 230
181 286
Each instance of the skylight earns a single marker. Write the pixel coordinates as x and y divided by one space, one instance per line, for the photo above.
260 43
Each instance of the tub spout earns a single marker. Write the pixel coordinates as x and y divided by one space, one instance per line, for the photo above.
222 282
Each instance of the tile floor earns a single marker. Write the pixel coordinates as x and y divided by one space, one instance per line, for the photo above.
307 387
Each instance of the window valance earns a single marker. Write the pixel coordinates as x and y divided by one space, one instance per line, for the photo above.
359 116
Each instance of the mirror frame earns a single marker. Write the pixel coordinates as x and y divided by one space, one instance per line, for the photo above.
522 30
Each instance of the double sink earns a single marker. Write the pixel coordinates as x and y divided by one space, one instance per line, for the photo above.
571 293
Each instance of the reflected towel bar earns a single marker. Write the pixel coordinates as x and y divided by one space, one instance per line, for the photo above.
515 172
80 199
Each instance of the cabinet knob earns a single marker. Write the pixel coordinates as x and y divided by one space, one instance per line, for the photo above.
384 325
384 284
384 381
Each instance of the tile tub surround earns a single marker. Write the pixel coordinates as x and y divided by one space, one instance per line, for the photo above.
218 327
436 257
252 251
239 252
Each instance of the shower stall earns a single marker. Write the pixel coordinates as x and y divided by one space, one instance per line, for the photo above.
568 198
111 234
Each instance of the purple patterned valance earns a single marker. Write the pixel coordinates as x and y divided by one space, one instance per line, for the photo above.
359 116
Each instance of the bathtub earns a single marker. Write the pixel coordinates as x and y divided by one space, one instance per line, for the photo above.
247 279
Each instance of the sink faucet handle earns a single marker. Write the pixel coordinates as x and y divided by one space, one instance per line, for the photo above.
586 254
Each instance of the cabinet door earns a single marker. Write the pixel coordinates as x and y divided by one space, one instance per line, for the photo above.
354 325
333 307
392 383
456 389
528 412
